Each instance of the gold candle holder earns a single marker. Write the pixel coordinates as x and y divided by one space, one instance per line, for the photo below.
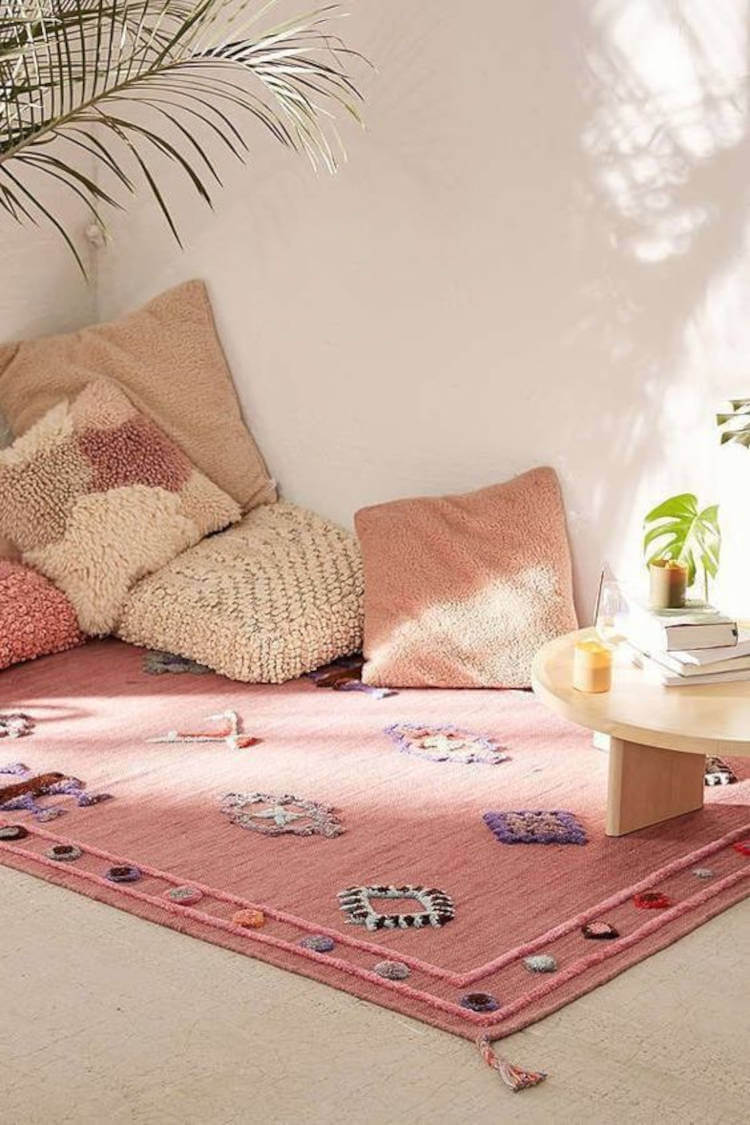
667 584
592 667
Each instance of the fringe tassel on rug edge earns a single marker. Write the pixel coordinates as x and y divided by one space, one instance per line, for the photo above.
514 1076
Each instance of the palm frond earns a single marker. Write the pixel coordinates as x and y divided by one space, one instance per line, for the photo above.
120 85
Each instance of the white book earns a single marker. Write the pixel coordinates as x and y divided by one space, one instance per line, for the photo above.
692 628
698 657
659 674
693 671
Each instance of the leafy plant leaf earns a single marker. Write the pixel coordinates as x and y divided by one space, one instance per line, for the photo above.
735 422
126 84
677 529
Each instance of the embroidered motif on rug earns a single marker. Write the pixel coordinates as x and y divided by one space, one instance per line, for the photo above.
535 827
230 733
345 674
15 724
446 744
718 772
356 902
24 795
156 663
279 814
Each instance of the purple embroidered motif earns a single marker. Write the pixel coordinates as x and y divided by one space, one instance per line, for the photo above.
535 827
64 786
345 674
446 744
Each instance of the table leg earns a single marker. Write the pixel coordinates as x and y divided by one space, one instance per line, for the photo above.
648 785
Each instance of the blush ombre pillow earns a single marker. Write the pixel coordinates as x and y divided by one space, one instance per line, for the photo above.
35 617
460 591
96 496
167 358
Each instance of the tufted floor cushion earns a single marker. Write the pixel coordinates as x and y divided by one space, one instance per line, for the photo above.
275 596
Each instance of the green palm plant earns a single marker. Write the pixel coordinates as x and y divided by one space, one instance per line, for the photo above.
98 94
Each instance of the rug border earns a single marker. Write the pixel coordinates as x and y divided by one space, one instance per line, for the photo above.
396 998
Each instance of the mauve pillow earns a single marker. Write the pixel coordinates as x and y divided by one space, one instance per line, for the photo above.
35 617
460 591
95 496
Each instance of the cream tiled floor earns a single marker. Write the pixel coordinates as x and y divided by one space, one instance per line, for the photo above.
109 1019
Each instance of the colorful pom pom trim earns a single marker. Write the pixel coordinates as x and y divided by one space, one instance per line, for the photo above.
652 900
392 970
319 943
184 896
13 832
479 1002
123 873
249 919
63 853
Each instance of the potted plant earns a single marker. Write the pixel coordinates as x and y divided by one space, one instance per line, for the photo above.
682 538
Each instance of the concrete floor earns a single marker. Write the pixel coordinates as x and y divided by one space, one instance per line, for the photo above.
107 1018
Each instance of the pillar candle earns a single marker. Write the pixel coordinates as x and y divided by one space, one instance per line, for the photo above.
668 584
592 667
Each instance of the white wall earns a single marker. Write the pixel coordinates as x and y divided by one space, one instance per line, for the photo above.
41 288
538 252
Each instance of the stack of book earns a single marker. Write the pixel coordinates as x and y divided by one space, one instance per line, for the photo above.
695 645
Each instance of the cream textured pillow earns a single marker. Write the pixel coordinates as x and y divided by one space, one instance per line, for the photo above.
460 591
95 496
167 358
274 597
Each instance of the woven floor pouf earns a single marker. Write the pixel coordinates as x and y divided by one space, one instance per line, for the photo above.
274 597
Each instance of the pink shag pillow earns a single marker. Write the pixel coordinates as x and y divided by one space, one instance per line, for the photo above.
35 617
95 496
461 591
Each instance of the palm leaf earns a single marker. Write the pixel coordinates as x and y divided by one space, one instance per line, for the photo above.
678 529
118 85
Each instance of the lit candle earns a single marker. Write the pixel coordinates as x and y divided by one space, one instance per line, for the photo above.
592 666
668 584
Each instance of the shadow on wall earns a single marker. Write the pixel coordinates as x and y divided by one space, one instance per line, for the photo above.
535 255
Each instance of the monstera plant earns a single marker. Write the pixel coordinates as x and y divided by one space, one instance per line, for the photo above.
679 529
98 96
735 422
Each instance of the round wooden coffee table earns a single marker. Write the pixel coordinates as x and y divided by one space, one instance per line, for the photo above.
658 737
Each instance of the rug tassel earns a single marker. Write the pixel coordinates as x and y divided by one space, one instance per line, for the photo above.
514 1076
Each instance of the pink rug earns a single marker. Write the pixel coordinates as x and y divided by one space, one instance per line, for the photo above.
373 808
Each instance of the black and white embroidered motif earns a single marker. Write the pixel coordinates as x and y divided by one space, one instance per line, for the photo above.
718 772
355 901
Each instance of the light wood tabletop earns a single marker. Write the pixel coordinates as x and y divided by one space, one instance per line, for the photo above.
658 736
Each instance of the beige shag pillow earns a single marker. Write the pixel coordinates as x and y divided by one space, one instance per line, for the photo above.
95 496
167 358
275 596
